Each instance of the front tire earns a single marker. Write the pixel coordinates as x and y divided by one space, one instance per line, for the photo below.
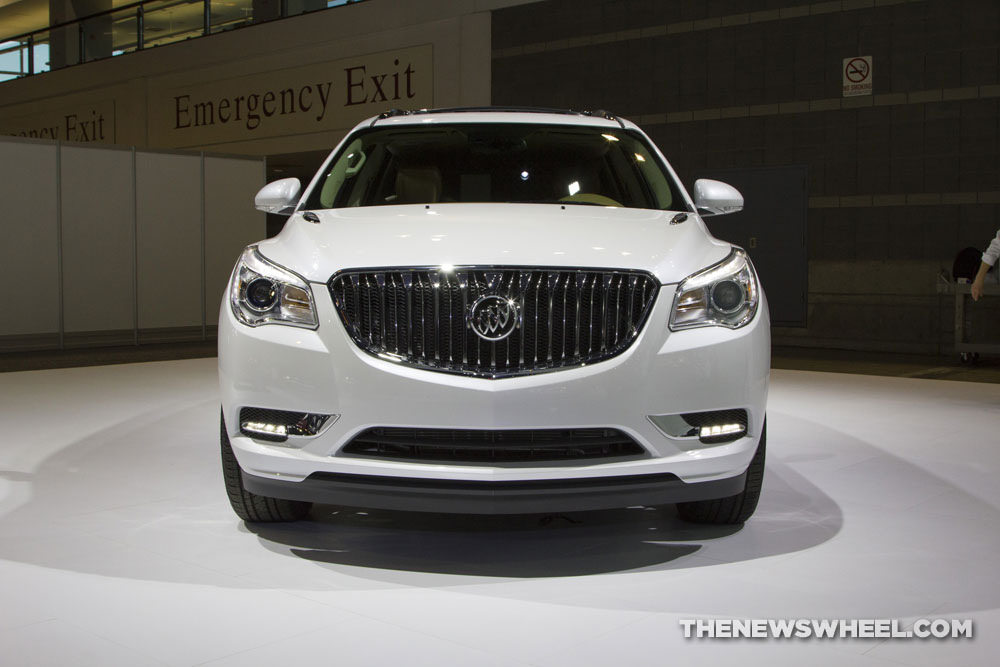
250 506
734 509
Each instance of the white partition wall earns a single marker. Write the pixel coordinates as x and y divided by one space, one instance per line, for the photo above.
169 240
29 264
108 245
97 241
231 223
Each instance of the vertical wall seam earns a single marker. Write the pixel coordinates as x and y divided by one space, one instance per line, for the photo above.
204 242
135 252
59 245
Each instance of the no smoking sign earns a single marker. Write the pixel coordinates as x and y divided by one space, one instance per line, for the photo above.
857 76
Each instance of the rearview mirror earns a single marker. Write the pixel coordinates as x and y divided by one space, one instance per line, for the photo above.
716 198
278 197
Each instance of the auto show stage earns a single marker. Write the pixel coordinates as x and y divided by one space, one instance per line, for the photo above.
118 545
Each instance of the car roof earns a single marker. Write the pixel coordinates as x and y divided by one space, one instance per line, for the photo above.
495 114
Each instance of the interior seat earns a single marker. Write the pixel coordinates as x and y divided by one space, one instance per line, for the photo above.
418 185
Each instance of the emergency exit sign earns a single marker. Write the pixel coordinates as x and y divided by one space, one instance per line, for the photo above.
857 76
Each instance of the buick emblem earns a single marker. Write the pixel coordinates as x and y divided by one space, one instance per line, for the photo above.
493 317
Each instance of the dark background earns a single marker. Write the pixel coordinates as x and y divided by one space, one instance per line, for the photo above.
897 182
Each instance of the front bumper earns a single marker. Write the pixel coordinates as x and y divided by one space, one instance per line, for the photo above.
512 497
663 372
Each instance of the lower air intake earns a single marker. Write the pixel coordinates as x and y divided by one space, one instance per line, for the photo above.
499 446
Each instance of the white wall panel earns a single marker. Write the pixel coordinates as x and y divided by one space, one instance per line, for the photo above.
147 248
29 255
97 213
168 228
231 221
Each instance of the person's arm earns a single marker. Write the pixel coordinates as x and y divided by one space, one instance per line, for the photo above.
989 259
977 284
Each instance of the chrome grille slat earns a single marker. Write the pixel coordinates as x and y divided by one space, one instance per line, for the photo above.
408 286
380 281
593 291
451 325
606 284
567 317
552 283
565 310
580 281
618 308
631 305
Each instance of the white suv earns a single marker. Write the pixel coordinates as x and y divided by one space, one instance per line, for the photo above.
494 311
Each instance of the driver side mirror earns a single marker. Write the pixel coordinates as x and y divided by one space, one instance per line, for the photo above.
716 198
278 197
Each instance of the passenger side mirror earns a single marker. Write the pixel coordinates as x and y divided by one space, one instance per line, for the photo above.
278 197
716 198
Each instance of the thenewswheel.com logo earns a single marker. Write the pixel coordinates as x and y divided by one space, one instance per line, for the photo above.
812 628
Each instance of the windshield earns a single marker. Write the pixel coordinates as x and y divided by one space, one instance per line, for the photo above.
502 163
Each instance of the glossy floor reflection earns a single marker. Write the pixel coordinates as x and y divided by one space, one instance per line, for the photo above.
117 545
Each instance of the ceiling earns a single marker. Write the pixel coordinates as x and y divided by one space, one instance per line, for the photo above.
21 16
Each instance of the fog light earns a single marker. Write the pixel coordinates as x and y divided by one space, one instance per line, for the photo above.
261 428
714 427
717 430
278 425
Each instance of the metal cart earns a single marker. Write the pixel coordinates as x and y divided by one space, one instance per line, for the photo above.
968 352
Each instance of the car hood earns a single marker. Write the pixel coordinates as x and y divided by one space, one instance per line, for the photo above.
542 235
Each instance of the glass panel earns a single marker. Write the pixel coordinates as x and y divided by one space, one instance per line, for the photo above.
171 21
64 46
124 38
13 60
228 14
42 61
96 35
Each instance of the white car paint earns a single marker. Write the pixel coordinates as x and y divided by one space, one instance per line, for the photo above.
323 371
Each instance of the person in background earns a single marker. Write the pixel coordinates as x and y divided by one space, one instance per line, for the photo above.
989 259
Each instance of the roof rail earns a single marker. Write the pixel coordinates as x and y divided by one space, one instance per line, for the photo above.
601 113
389 114
598 113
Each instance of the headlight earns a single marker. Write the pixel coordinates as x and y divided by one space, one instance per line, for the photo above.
264 293
725 295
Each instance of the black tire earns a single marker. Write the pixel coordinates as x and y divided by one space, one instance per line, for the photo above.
249 506
734 509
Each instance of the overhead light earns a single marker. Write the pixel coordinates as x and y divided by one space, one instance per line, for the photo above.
610 137
574 187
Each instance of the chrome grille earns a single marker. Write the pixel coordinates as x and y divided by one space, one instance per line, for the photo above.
566 317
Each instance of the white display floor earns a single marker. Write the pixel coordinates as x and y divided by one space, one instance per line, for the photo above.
118 547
